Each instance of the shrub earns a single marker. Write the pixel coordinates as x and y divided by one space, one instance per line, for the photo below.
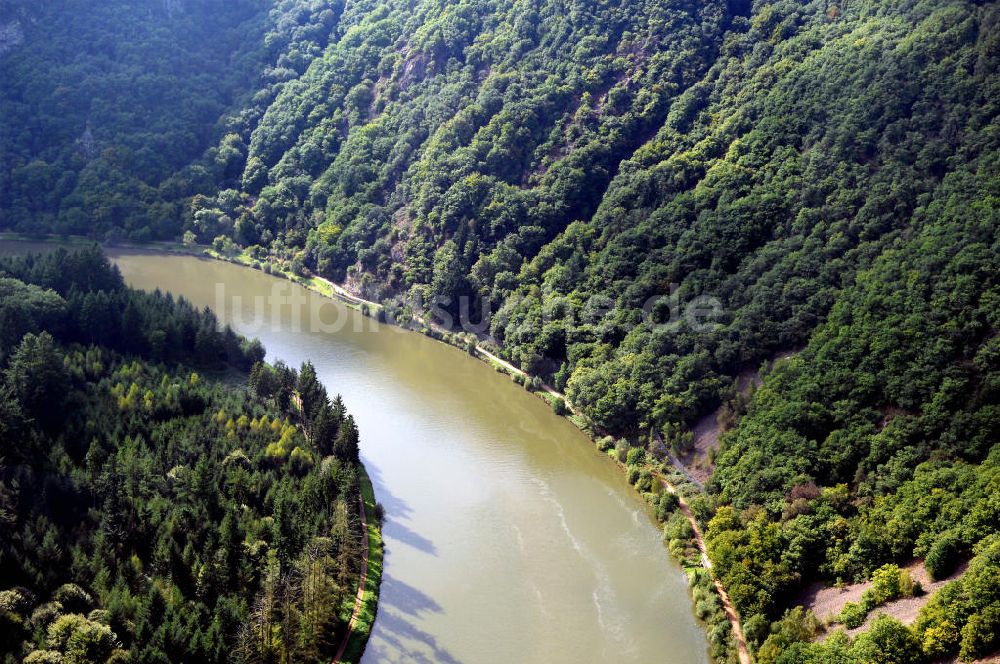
621 449
705 608
940 640
887 640
74 598
668 503
853 615
943 556
981 635
636 456
885 585
559 406
796 626
633 474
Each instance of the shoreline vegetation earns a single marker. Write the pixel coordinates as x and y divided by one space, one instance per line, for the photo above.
678 501
754 243
365 607
667 497
167 511
711 603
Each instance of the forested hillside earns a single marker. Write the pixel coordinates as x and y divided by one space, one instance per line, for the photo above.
577 172
561 165
827 171
152 512
111 108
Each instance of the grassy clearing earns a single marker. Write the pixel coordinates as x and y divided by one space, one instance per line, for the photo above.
312 283
366 618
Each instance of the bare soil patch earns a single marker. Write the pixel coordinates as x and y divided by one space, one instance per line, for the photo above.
905 610
707 431
697 460
827 602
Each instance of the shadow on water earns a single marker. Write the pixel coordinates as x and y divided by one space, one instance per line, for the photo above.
396 511
399 640
406 598
393 530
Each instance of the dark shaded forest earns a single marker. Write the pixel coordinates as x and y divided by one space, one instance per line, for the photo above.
158 503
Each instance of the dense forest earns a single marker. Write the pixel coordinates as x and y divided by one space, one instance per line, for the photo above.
158 503
575 173
111 110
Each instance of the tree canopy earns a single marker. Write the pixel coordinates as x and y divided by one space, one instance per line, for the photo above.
152 512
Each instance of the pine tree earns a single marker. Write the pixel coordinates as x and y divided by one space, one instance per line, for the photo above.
346 447
311 392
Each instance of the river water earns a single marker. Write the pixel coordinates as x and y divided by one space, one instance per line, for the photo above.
509 538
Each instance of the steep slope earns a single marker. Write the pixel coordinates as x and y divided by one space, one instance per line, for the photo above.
108 107
582 172
818 175
639 202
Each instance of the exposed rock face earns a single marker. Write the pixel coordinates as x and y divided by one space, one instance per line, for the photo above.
87 144
172 7
11 35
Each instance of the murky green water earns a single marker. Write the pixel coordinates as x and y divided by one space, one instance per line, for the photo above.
508 537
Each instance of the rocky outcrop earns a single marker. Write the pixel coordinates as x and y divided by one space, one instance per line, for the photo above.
11 35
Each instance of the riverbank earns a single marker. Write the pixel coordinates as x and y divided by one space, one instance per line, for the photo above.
681 486
81 241
743 653
466 342
161 278
366 601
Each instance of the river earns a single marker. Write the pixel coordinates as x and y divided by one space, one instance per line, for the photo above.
508 536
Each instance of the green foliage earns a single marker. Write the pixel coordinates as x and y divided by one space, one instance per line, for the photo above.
559 406
155 515
81 641
763 155
943 556
666 505
853 615
887 641
636 456
888 583
826 171
87 302
964 617
796 626
114 110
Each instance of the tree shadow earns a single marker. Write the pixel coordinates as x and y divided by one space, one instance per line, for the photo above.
399 640
396 638
400 595
396 511
394 530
